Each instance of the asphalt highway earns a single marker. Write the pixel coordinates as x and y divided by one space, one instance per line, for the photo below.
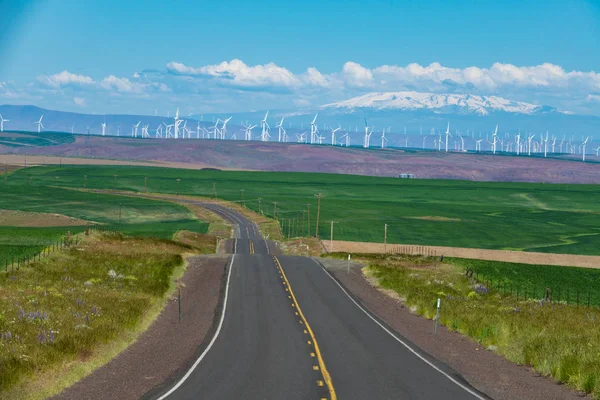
290 331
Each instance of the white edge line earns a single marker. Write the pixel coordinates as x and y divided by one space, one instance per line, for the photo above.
466 388
193 367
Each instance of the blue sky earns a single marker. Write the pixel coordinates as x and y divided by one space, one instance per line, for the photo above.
137 56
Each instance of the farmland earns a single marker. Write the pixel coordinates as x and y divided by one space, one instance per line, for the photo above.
32 139
131 216
513 216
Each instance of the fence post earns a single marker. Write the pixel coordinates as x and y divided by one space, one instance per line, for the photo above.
588 298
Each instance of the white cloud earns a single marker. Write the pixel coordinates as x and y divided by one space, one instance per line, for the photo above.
80 101
65 78
223 84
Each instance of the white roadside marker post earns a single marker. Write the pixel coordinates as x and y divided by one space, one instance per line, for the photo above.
437 317
348 271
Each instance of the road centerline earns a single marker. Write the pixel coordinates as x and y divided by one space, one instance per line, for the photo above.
323 368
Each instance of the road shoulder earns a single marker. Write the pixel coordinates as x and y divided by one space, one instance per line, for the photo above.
486 371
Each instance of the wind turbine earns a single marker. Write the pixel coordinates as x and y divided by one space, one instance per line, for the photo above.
367 140
553 143
198 131
529 138
447 135
546 145
224 128
383 139
176 123
583 148
39 124
280 130
134 129
103 128
597 150
333 131
2 121
478 145
265 128
495 139
314 129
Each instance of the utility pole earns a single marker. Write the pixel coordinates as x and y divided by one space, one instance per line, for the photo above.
274 210
319 197
115 183
214 190
289 228
303 222
178 186
84 181
297 225
145 184
385 238
243 201
259 206
119 215
308 225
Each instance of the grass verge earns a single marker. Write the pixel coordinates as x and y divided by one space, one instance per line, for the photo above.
556 339
67 314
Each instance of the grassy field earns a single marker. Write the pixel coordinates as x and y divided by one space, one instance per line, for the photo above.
567 284
131 216
54 312
514 216
556 339
19 242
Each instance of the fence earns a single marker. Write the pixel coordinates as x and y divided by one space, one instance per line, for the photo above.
506 288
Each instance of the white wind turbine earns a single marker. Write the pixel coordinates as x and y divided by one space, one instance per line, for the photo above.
248 135
224 128
346 142
280 131
383 140
333 131
546 145
134 129
478 145
198 131
462 143
367 139
103 125
2 121
314 129
264 136
597 150
495 140
424 139
518 140
176 124
39 124
447 135
553 143
584 144
158 132
529 139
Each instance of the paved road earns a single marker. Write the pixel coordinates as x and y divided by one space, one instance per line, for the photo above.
289 331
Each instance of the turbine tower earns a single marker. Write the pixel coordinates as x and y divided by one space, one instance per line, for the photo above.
2 121
281 131
265 128
447 135
103 128
583 148
135 129
495 139
314 129
39 124
367 139
333 131
224 128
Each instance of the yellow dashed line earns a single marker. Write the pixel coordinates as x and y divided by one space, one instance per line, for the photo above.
251 247
324 371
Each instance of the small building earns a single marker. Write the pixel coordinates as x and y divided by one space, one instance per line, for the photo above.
406 176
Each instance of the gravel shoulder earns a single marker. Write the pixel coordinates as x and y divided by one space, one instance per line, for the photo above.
486 371
168 347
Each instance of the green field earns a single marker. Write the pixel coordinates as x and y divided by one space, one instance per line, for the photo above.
131 216
568 284
515 216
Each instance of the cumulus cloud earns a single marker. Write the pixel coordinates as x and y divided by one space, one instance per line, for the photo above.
65 78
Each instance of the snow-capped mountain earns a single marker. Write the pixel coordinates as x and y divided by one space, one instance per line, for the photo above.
440 103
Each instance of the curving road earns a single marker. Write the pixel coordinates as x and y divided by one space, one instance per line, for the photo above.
290 331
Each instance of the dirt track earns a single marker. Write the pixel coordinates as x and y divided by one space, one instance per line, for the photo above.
480 254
